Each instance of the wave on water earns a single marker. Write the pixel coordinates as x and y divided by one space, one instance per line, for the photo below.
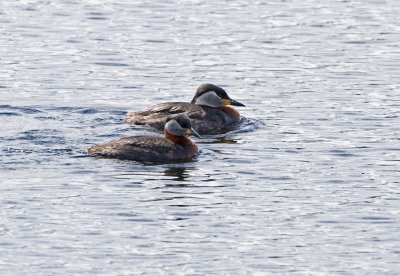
45 132
246 125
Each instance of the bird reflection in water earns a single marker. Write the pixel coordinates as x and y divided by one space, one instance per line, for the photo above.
176 173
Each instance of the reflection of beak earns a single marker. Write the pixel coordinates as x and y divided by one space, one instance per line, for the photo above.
232 102
189 131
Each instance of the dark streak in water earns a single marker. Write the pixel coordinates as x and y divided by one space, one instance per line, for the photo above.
97 18
111 64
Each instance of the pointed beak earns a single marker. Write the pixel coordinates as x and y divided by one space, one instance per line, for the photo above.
232 102
195 133
236 103
191 131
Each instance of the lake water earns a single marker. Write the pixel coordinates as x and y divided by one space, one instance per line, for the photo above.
308 185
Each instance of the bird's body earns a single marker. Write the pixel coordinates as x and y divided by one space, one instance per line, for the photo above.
205 120
145 148
210 111
174 146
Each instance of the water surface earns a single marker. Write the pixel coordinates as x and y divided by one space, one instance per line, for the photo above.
309 184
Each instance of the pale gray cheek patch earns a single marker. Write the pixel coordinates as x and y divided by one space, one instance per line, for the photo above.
209 99
174 128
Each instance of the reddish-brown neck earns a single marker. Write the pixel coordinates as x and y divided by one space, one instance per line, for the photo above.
190 147
182 140
230 111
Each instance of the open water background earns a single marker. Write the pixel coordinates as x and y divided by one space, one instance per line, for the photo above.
308 185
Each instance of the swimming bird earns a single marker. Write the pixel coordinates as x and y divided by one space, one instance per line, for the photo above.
210 111
174 146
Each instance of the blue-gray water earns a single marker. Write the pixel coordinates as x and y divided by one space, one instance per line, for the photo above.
308 185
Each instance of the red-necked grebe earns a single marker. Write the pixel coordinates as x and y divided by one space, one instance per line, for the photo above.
174 146
210 111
